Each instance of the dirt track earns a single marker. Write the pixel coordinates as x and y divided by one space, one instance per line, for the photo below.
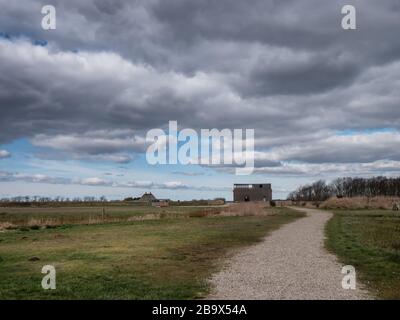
290 263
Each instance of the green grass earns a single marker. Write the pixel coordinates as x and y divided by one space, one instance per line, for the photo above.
154 259
370 241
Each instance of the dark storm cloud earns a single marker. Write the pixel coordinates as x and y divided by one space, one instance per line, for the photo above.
284 68
93 95
355 148
315 74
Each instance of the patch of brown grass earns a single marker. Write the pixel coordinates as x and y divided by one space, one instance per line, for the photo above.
360 203
42 222
204 213
6 225
150 216
246 209
15 221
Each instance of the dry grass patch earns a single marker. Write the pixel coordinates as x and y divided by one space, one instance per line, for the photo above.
14 217
6 225
360 203
245 209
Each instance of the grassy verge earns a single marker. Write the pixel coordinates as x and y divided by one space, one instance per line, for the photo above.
370 241
154 259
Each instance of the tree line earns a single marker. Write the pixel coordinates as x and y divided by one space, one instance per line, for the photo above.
347 187
40 199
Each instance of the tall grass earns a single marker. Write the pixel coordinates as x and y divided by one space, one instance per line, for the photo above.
360 203
13 218
246 209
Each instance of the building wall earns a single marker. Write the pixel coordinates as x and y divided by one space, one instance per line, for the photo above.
252 192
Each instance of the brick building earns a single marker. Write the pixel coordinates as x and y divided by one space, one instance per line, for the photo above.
252 192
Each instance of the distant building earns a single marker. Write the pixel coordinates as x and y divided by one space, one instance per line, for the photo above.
147 197
252 192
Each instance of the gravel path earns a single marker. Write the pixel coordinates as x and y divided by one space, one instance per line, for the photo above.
290 263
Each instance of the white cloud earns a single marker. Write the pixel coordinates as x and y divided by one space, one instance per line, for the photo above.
94 181
6 176
330 170
357 147
4 154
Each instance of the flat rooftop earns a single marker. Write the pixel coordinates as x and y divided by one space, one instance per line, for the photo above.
250 185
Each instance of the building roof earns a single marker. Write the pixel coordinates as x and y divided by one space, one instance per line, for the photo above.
251 185
148 197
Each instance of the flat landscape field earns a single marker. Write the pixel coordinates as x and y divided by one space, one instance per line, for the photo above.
370 241
85 214
169 257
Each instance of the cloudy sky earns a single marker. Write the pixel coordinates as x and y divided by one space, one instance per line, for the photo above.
76 102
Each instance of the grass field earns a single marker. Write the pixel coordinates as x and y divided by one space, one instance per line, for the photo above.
150 259
370 241
42 216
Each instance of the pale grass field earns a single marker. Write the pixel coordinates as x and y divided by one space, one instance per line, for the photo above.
246 209
12 217
360 203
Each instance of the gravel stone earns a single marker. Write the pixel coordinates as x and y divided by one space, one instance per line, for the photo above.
290 264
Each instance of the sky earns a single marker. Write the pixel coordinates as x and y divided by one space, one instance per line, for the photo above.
76 102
